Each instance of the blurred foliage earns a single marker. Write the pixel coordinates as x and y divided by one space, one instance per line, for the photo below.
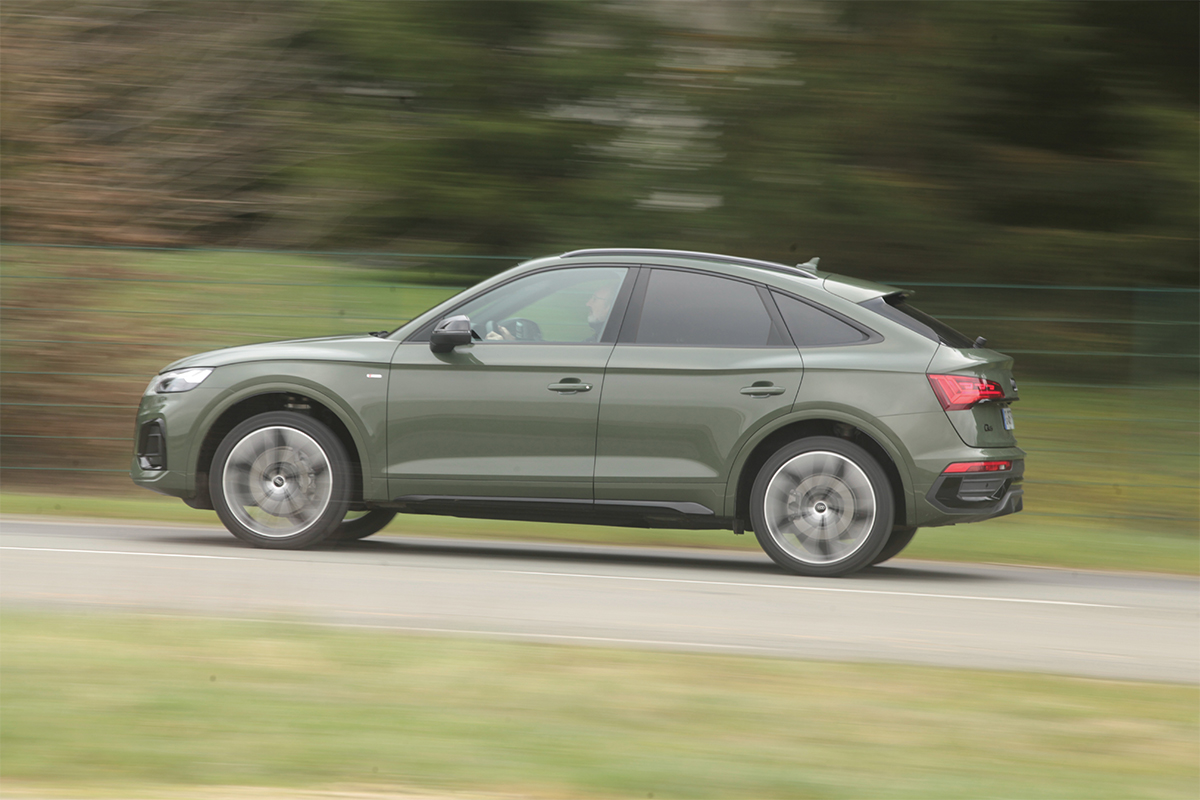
1034 142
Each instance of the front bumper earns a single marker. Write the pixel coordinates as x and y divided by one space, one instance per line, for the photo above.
163 457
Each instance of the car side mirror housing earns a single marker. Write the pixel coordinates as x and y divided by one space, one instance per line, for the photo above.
450 333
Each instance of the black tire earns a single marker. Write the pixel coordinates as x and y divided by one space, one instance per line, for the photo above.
281 480
360 525
822 506
896 542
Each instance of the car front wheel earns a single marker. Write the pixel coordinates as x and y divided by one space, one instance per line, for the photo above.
281 480
822 506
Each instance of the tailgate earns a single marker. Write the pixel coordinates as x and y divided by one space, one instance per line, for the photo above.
985 423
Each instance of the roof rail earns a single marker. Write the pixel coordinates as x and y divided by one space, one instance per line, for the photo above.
696 256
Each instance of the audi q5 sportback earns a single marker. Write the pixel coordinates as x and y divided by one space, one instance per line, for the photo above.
650 388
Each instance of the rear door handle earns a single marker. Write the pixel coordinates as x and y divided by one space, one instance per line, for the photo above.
763 389
570 386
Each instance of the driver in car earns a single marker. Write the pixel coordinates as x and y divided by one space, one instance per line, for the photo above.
598 307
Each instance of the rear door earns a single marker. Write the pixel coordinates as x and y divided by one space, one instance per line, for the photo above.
702 361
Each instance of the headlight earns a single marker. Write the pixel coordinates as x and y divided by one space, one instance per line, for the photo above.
179 380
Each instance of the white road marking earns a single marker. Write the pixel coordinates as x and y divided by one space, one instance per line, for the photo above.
816 589
129 553
593 576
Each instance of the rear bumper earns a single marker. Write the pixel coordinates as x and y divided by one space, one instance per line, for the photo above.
972 497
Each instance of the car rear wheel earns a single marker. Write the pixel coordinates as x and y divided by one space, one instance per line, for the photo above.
361 524
896 542
822 506
281 480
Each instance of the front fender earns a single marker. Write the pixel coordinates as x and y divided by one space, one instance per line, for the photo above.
360 402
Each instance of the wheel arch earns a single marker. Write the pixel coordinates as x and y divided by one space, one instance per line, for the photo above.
756 453
251 403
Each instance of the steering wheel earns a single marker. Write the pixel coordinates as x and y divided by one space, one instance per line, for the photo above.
522 330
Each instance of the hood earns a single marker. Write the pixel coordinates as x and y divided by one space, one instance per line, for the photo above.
355 347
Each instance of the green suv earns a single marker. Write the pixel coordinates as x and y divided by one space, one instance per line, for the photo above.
650 388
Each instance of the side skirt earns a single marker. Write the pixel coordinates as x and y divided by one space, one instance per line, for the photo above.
631 514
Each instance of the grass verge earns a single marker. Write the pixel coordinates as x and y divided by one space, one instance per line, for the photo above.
1009 540
140 706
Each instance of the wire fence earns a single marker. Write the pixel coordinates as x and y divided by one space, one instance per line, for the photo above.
1110 409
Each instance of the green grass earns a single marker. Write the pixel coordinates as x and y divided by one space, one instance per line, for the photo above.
199 299
1119 459
1008 540
125 706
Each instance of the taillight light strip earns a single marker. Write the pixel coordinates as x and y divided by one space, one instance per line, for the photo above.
960 392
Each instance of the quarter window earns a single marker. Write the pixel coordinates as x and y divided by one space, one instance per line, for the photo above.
690 308
812 327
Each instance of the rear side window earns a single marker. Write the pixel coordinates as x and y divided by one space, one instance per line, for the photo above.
690 308
897 309
812 327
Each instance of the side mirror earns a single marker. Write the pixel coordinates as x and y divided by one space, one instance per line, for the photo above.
450 333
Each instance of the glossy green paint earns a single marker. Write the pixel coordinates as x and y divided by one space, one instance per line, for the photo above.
881 389
876 388
335 372
983 425
484 421
178 413
658 424
673 418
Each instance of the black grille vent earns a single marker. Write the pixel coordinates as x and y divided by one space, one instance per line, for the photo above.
152 446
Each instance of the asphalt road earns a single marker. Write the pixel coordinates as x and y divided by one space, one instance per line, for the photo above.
1102 625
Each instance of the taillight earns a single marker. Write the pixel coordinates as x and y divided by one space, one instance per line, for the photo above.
980 466
957 392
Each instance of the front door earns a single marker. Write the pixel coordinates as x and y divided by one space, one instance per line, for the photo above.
514 413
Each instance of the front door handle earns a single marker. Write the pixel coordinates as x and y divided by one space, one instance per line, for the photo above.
570 386
763 389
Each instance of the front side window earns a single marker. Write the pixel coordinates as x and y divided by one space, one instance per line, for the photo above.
566 305
691 308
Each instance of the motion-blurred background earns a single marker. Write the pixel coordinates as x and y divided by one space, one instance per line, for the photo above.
179 175
186 174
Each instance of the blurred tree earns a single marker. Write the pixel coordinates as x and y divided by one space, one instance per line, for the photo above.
444 115
1032 141
971 141
1153 44
144 121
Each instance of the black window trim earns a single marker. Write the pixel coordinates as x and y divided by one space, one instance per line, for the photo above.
633 312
